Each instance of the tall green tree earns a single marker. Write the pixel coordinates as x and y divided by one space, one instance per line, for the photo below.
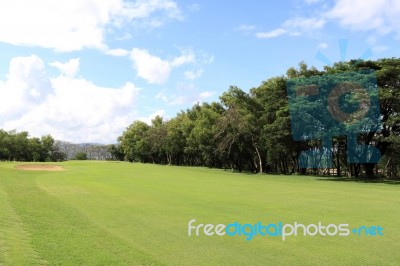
134 142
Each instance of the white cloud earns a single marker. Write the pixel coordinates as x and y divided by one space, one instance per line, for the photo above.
322 45
68 108
379 17
71 25
144 8
271 34
294 27
206 59
304 24
149 67
25 86
246 29
150 117
187 57
156 70
362 15
186 93
69 68
205 95
193 74
118 52
161 96
124 37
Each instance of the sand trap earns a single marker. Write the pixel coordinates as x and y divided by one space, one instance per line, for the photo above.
39 167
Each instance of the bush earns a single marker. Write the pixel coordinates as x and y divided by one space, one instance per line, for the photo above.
81 156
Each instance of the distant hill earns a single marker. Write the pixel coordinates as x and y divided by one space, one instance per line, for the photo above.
94 151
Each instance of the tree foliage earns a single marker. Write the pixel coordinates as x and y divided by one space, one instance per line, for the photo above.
17 146
81 156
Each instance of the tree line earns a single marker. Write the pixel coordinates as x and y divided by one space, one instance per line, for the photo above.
18 146
251 131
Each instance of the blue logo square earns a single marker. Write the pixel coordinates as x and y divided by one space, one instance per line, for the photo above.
340 104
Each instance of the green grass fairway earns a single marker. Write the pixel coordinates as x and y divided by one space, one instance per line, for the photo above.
109 213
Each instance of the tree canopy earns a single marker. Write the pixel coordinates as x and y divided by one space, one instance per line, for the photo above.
18 146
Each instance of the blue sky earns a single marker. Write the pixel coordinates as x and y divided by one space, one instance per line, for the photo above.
83 70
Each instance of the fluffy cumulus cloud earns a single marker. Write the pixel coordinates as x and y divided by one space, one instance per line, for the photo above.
69 68
71 109
154 69
71 25
149 67
378 15
26 85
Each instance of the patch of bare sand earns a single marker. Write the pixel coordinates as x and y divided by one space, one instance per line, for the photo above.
39 167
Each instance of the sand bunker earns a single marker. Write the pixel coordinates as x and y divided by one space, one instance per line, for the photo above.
39 167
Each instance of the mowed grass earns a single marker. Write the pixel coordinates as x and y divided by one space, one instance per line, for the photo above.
107 213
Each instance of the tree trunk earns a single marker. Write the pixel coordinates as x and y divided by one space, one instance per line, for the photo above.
338 172
259 160
369 170
357 168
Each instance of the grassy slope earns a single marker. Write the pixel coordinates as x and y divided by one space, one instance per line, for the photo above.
125 214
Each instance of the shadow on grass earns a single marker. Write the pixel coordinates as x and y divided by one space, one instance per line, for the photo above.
360 180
